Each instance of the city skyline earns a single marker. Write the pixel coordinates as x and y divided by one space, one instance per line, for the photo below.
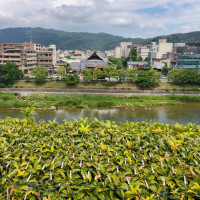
128 18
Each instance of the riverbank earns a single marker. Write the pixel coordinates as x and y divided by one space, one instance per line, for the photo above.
10 100
99 85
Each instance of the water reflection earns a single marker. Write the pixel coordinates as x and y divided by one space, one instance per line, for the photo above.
183 113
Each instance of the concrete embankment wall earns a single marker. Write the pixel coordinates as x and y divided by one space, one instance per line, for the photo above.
77 91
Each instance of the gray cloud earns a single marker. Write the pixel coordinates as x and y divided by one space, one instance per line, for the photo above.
118 17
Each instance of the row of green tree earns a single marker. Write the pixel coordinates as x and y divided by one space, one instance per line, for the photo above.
40 75
9 72
184 76
143 78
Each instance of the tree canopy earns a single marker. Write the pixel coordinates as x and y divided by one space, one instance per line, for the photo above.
40 74
87 74
61 70
71 79
165 70
148 78
183 76
10 72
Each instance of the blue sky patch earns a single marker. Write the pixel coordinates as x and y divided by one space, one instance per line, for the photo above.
153 10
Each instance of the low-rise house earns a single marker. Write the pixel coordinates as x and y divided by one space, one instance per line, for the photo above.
137 64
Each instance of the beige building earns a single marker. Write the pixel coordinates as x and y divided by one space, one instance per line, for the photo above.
46 57
27 56
143 51
123 50
160 54
164 48
110 53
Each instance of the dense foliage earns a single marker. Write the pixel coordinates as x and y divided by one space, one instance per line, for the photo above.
148 78
98 160
61 71
143 78
10 72
165 70
40 74
71 79
183 76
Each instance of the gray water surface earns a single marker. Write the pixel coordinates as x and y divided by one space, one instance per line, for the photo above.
183 113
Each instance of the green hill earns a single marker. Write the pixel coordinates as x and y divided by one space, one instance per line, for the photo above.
83 41
64 40
192 37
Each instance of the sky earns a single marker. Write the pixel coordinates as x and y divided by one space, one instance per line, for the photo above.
128 18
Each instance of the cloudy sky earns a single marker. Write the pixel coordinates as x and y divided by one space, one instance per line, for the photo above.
128 18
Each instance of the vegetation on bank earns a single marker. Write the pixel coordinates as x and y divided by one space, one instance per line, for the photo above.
147 78
99 84
81 101
185 76
9 72
98 160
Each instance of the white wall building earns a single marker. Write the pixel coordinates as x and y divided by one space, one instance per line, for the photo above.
160 54
123 50
143 51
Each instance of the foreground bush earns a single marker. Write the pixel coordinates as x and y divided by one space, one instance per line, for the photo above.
98 160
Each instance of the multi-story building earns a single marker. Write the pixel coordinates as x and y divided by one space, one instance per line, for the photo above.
123 50
143 51
46 57
27 56
110 53
188 61
160 54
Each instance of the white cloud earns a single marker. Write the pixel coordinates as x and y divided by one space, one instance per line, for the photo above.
119 17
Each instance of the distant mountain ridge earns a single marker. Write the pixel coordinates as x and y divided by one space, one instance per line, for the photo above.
82 40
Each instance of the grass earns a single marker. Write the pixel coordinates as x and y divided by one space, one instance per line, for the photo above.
48 100
23 83
104 85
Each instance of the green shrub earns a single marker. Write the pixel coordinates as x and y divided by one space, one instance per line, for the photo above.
2 85
195 89
91 159
71 79
167 89
174 89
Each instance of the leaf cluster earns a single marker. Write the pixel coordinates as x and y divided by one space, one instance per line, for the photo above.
98 160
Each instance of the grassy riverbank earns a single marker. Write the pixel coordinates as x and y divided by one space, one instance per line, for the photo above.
48 100
98 84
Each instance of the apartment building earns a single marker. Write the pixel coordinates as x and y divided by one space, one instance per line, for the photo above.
160 54
188 55
143 51
123 50
27 56
110 53
46 57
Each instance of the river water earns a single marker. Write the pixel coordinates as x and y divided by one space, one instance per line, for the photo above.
183 113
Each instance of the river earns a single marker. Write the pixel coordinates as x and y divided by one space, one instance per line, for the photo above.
183 113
